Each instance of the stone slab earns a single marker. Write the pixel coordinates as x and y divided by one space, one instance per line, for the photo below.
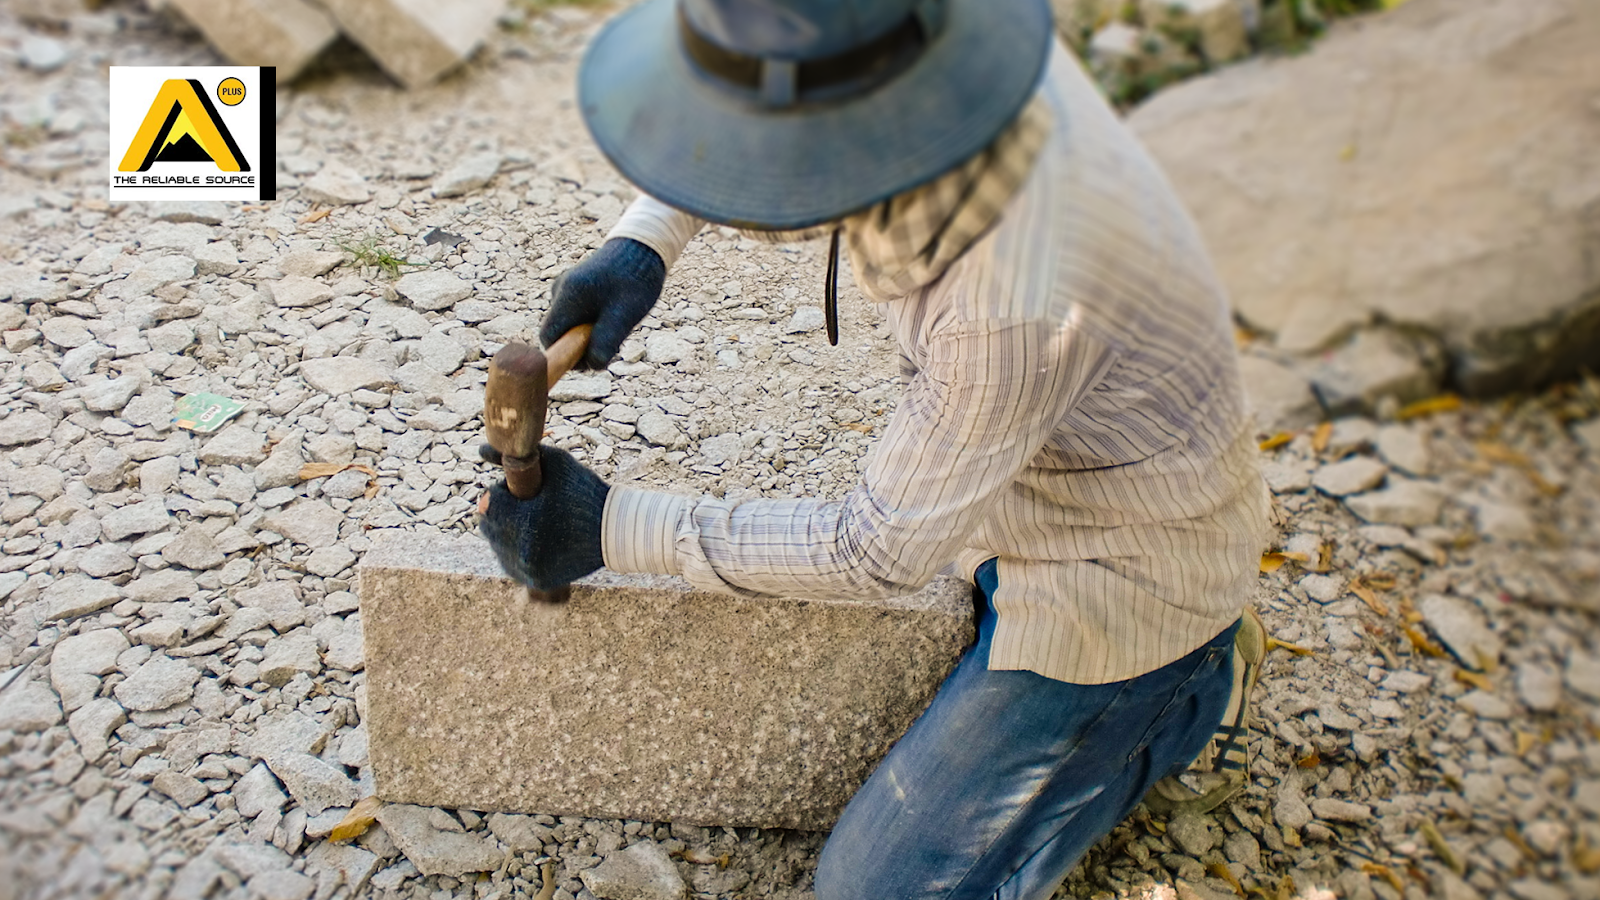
282 33
416 41
640 698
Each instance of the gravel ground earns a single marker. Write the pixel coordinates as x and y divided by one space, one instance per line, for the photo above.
181 644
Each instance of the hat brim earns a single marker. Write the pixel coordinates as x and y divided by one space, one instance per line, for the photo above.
704 149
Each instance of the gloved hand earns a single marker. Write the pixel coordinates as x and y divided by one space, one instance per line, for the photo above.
612 288
553 539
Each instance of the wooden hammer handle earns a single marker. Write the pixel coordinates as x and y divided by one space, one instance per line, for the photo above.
561 356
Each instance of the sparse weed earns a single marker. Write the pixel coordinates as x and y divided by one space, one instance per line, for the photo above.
369 250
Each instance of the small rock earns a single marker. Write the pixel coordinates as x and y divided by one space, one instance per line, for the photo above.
164 586
1485 705
582 386
1403 447
1504 522
805 319
112 395
235 445
436 852
43 54
309 263
1287 477
159 683
432 289
1290 809
295 291
1322 588
278 600
641 872
29 707
24 427
282 467
340 375
660 430
519 833
193 549
183 790
314 784
1351 476
205 212
309 522
1333 810
334 186
329 561
1405 681
1463 628
66 332
92 726
665 349
77 595
1192 833
467 175
1403 502
1539 685
282 884
288 656
1583 674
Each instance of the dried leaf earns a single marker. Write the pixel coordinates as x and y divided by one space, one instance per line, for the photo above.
1324 557
356 822
1379 581
1515 837
1526 742
1474 679
1221 870
1494 451
1487 664
1275 644
706 858
1321 437
1386 873
1421 644
1276 441
547 881
1430 833
1585 857
1309 761
1273 561
862 427
319 470
1543 485
1441 403
1360 589
316 215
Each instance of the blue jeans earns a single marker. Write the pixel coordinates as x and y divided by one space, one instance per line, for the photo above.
1009 777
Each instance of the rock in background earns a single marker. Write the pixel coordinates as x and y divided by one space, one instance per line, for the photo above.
1411 205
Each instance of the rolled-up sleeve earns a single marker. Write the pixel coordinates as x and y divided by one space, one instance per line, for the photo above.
658 226
970 420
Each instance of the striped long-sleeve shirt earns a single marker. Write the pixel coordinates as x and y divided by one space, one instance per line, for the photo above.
1071 406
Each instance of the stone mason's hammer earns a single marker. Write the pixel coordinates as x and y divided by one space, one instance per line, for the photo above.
514 404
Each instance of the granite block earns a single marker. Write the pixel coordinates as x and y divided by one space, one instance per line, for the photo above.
640 698
416 41
282 33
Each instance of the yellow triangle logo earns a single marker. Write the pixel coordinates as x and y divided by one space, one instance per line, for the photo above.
182 126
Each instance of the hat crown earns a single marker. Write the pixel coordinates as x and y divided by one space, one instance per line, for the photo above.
798 30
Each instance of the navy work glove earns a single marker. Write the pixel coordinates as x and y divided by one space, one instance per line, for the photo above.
553 539
613 289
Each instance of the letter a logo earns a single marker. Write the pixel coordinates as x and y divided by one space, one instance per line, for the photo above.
183 126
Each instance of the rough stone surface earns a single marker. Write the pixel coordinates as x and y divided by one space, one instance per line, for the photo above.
644 643
413 40
641 872
1403 502
1351 476
282 33
1428 192
29 707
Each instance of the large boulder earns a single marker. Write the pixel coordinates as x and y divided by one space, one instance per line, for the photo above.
1430 172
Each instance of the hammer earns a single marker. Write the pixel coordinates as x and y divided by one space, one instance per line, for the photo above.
514 403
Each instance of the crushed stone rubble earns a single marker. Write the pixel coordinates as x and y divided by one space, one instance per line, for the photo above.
180 638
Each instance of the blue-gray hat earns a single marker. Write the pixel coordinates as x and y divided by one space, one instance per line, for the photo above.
781 114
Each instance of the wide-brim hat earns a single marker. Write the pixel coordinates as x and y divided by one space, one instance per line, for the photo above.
687 138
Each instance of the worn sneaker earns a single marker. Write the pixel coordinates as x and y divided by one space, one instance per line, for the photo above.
1224 764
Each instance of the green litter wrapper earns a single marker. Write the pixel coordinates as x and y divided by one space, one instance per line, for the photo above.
204 413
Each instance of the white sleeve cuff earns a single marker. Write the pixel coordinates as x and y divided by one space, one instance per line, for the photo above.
658 226
638 530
